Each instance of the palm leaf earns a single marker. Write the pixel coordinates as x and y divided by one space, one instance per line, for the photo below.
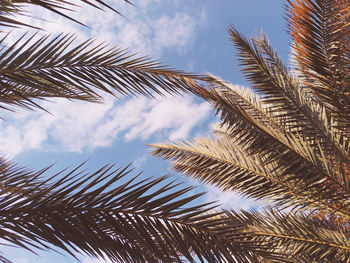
297 236
9 9
104 215
278 89
223 163
320 31
282 141
42 68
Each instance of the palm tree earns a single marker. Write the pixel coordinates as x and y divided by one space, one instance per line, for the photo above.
285 140
100 214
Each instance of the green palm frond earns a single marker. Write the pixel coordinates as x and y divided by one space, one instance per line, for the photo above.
43 68
10 8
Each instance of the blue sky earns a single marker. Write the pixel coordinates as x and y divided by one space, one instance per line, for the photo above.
189 35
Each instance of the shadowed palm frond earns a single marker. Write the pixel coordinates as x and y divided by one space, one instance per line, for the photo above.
43 68
103 215
9 9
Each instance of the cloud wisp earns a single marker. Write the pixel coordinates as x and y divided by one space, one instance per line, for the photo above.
230 199
79 126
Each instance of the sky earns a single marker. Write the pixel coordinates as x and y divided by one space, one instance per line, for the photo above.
189 35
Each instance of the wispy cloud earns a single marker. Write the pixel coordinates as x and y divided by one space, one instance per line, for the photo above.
143 28
230 199
78 126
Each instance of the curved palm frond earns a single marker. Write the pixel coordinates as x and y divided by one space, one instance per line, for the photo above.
103 215
255 127
10 8
43 68
294 110
223 163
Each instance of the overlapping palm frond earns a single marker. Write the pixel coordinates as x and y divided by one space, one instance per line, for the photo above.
9 9
44 68
295 237
320 31
296 112
285 140
282 140
96 214
103 215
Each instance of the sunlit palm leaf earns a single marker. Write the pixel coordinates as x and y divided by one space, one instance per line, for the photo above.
282 141
222 163
277 88
250 125
43 68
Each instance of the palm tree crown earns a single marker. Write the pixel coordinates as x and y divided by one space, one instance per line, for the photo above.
285 140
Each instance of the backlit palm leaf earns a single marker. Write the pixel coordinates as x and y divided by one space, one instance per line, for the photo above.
103 215
320 30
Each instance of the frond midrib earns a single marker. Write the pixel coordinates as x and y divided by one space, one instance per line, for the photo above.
113 67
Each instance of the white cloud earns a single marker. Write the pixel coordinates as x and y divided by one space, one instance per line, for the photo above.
229 199
142 29
77 126
94 260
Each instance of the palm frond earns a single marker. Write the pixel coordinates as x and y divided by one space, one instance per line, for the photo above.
104 215
289 106
43 68
282 141
294 235
277 88
251 126
222 163
10 8
320 31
